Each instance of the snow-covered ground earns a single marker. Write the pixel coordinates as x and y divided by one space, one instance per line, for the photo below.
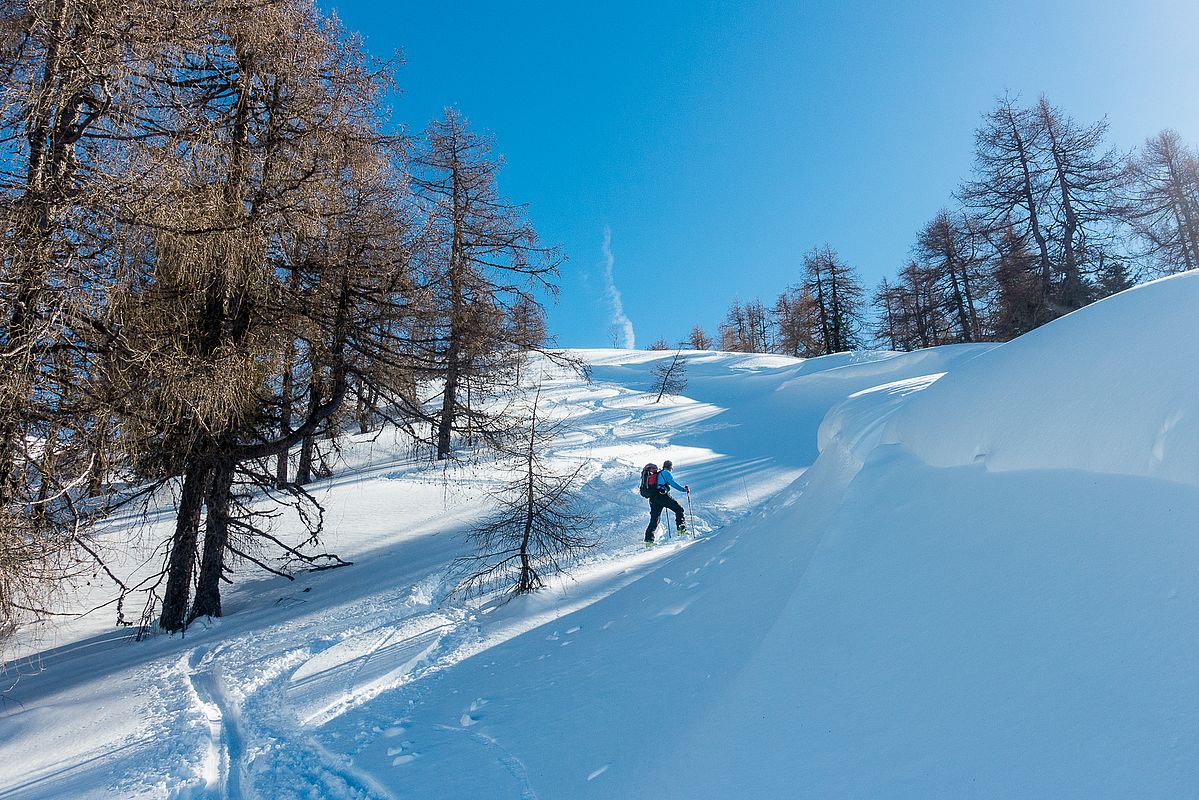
962 572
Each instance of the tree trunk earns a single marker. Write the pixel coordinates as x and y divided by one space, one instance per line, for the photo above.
281 463
1072 288
207 602
835 322
183 548
449 400
360 408
891 322
527 576
960 303
1031 203
308 444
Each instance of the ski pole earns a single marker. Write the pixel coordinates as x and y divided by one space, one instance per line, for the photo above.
690 516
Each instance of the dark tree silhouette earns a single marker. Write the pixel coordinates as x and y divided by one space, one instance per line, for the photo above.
540 527
670 377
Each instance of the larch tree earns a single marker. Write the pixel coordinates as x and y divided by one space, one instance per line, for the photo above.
888 304
480 258
269 130
734 330
917 305
540 526
1084 179
1162 205
1011 184
66 67
796 322
670 377
699 339
951 247
838 295
746 328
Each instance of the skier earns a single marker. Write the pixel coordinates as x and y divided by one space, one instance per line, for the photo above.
660 498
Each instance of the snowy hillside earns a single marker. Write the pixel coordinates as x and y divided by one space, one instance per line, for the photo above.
962 572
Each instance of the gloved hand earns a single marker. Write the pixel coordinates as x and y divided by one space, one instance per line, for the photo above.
687 489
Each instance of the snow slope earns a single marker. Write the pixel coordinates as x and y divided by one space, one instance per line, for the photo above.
963 572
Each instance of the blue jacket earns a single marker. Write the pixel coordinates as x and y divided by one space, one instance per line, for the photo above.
666 479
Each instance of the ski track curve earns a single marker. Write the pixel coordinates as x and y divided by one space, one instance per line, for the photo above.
514 766
226 742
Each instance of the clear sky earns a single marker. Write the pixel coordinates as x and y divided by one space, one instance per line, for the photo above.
718 141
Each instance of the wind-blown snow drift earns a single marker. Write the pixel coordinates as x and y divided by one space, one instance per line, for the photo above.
1112 388
1001 601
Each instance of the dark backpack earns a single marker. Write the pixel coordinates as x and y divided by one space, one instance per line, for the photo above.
649 480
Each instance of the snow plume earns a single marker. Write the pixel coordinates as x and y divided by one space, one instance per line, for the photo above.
622 326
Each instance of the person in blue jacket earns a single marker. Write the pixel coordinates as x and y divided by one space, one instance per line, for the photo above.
660 498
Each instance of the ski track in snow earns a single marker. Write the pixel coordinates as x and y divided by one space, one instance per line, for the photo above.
226 739
515 767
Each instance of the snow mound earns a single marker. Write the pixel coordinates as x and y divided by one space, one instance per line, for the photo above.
984 587
1112 388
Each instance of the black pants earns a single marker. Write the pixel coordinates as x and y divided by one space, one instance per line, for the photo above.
658 502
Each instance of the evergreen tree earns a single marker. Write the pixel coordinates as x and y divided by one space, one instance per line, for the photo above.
1112 277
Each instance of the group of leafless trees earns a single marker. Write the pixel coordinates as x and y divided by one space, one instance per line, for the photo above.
1052 219
216 255
821 314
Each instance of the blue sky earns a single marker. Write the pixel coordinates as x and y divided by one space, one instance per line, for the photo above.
718 141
